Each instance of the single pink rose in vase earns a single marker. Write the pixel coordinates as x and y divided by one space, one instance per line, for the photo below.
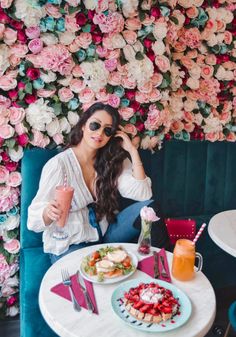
147 215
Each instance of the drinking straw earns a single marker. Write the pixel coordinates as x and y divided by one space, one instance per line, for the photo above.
65 180
199 233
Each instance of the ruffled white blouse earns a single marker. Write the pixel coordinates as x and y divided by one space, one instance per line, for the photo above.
78 226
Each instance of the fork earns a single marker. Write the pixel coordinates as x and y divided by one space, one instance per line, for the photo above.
163 270
67 282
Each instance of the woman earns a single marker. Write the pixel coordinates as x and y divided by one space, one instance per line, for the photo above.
97 166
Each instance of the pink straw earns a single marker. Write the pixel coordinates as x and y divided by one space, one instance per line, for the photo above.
65 180
199 233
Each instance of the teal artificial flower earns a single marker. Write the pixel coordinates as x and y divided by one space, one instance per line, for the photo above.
54 2
38 84
148 29
91 50
22 69
201 20
119 91
42 26
223 48
165 11
124 102
3 218
50 23
178 136
73 104
13 211
61 25
81 55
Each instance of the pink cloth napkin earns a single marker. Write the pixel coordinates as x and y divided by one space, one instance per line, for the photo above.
147 266
63 291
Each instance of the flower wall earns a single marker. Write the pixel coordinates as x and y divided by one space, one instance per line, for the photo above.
168 66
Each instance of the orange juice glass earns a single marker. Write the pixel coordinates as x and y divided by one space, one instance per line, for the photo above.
184 260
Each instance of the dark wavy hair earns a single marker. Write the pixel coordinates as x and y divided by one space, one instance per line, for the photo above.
108 162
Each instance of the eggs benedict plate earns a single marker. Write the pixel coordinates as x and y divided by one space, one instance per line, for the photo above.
108 264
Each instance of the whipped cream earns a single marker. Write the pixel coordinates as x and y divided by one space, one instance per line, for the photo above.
150 295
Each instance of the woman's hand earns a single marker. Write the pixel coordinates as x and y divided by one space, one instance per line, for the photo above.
52 212
127 143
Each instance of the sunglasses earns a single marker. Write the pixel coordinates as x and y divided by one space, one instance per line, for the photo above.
93 126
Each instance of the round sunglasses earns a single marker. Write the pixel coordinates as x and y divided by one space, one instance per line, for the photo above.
93 126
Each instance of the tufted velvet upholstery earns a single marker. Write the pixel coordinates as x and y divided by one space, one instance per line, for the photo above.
190 180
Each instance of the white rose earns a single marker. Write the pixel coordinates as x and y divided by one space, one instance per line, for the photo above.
129 53
192 83
12 281
4 54
90 4
212 41
64 125
38 114
198 118
49 38
158 47
95 74
30 12
49 77
12 311
160 30
195 72
221 73
12 222
73 118
213 124
66 38
16 155
53 127
190 105
212 12
138 47
225 15
65 81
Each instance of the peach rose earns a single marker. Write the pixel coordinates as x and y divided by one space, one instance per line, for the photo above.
221 25
155 95
189 127
9 36
192 54
65 94
130 36
192 12
207 71
210 59
131 129
126 113
102 95
113 54
177 126
53 11
146 88
231 137
179 46
77 85
141 97
14 179
45 93
77 71
115 78
187 62
188 116
128 83
133 24
162 63
86 95
19 50
16 115
70 24
4 174
228 37
84 40
156 79
7 82
212 136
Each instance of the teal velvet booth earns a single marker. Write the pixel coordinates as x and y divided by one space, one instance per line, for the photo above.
190 180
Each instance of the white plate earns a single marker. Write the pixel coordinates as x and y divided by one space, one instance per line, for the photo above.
122 313
94 278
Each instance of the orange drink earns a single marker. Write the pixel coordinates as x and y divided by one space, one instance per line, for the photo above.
184 260
63 196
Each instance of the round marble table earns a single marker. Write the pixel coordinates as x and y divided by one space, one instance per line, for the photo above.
222 230
66 322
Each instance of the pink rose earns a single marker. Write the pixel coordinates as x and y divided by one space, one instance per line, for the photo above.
212 136
155 95
4 102
16 115
207 71
77 71
14 179
192 12
22 139
131 129
156 79
210 59
114 100
102 95
20 129
146 88
228 37
53 11
7 82
86 95
19 50
9 36
58 138
130 36
39 139
101 51
126 113
6 131
6 3
128 83
162 63
45 93
65 94
12 246
110 64
77 85
35 46
141 97
4 174
32 32
71 24
148 214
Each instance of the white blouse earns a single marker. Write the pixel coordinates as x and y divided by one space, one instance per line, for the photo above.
77 226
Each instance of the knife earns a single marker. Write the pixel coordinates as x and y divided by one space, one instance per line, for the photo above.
88 300
156 266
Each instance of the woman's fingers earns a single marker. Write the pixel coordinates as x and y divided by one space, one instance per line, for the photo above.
53 210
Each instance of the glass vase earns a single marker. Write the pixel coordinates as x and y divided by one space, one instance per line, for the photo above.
144 241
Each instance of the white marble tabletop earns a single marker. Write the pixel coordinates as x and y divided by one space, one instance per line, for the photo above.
222 230
61 317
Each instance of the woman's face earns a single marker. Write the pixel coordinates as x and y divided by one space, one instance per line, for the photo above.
98 129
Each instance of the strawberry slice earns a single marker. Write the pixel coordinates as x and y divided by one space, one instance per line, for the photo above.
167 310
145 308
138 305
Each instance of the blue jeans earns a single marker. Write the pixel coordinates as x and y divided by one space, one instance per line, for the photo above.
122 230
